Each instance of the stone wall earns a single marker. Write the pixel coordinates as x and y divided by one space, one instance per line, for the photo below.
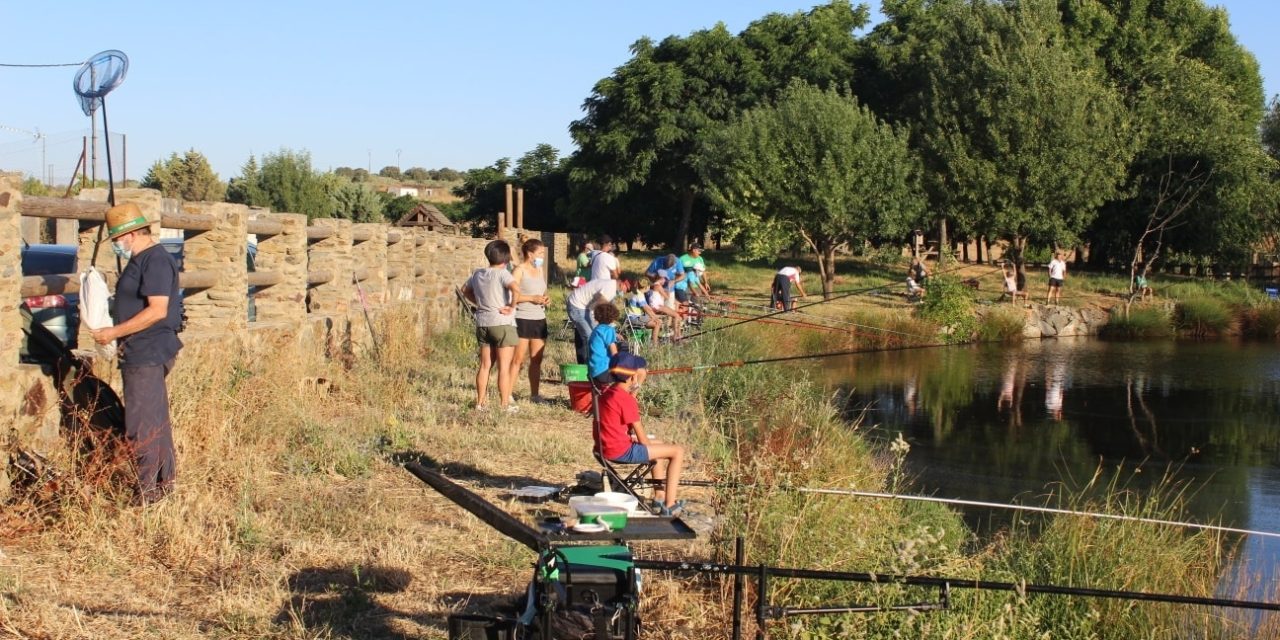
1047 321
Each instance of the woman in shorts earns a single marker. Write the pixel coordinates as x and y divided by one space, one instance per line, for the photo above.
531 314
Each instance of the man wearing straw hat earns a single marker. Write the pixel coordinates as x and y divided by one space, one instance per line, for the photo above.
148 316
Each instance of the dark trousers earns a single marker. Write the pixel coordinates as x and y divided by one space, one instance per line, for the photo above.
781 291
148 429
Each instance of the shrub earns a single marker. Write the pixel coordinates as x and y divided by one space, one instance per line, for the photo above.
1202 316
950 305
1145 322
1261 322
1002 324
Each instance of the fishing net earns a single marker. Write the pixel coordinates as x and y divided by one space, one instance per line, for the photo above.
102 73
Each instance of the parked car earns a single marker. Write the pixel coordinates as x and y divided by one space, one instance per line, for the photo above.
60 314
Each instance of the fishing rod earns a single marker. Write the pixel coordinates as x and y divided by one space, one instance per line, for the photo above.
839 321
842 295
762 572
810 356
981 504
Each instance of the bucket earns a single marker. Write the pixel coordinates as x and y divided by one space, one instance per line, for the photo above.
573 372
580 396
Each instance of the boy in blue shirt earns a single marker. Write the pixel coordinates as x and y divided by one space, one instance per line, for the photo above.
603 343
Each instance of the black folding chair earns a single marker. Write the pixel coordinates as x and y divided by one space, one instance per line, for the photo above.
635 479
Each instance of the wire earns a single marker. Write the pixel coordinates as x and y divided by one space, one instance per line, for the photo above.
41 66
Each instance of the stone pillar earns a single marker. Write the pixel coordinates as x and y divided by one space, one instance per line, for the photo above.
400 261
424 253
520 208
10 279
371 256
286 254
224 307
332 255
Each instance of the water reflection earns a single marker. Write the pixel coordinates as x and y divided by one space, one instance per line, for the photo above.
999 423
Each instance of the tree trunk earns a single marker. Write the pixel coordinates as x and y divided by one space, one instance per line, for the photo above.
686 218
827 265
944 245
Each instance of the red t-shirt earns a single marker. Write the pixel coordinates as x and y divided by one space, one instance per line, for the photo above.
618 411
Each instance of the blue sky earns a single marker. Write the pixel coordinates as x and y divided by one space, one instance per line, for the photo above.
456 84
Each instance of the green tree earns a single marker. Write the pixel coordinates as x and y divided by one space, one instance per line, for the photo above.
390 172
34 187
1022 138
814 164
357 202
446 174
1270 129
1195 98
247 187
417 173
285 182
187 177
394 207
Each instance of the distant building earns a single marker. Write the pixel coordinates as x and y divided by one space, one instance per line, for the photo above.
426 215
401 190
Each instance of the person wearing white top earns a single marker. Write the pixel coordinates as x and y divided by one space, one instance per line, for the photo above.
579 305
781 289
1057 273
604 265
663 306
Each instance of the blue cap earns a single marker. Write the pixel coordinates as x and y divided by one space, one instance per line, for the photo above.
625 364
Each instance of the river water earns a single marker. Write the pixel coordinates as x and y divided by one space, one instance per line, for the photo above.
1002 423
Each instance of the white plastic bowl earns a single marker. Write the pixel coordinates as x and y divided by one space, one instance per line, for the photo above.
619 499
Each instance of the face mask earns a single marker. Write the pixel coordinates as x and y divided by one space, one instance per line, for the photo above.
537 262
120 251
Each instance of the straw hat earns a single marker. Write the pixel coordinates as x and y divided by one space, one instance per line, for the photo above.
123 218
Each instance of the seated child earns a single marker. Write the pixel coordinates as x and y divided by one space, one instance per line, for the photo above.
663 305
603 343
914 290
622 439
639 314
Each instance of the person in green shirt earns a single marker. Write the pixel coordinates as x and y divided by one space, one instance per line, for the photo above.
584 260
691 261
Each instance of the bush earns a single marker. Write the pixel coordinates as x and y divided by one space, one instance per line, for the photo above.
1261 322
1203 316
1002 324
950 305
1145 322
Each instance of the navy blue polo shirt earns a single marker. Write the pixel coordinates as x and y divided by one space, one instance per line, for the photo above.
151 272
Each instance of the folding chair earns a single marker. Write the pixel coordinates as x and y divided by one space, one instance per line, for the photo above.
613 479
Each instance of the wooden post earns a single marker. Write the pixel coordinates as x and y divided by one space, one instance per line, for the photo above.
510 212
502 219
520 208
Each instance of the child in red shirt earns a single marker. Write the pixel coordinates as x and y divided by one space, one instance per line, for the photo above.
621 438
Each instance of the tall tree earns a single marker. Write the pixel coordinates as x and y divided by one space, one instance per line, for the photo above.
285 182
357 202
1270 129
1195 99
1022 136
816 165
187 177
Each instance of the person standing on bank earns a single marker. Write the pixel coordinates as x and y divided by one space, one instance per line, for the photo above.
531 314
781 290
1057 273
148 316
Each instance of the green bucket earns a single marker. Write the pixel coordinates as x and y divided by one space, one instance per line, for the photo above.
573 372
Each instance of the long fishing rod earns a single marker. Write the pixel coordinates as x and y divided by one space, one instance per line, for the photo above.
946 583
842 295
809 356
835 320
987 505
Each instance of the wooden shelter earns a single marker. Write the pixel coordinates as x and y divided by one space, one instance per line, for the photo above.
427 215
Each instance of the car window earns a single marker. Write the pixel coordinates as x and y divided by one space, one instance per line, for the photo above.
44 260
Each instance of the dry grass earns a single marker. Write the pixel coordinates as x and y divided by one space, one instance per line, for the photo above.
293 517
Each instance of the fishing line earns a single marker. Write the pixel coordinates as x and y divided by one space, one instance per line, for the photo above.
842 295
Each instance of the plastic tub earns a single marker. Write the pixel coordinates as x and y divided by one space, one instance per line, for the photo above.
580 396
573 372
618 499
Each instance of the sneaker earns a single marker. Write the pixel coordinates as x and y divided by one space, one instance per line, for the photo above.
512 408
540 400
481 408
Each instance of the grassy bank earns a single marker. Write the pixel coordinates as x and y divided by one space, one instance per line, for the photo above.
293 518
